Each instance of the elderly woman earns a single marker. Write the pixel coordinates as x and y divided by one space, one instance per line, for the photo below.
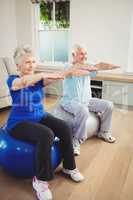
77 99
28 121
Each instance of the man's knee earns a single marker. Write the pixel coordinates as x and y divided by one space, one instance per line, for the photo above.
83 113
109 106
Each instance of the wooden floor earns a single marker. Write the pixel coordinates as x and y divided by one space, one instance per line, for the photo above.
108 168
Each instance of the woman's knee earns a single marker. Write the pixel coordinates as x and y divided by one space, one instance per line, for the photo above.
66 131
65 126
47 136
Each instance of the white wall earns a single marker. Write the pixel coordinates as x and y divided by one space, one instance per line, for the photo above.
130 54
8 40
104 26
27 18
24 22
16 25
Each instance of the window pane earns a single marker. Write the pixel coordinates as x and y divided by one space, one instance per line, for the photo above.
62 14
61 46
54 45
46 45
46 10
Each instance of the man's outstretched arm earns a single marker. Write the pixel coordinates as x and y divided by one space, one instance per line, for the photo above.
105 66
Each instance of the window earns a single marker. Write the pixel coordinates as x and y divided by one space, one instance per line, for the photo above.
54 30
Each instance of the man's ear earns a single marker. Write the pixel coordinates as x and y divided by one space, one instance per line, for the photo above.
73 54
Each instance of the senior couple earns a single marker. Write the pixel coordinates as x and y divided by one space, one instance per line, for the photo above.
28 121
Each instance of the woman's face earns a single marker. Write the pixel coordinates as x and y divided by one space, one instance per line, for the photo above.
80 56
27 65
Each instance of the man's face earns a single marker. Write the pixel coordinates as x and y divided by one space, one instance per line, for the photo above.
80 56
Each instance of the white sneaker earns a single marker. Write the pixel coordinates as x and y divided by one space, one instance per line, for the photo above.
107 137
41 188
74 174
76 146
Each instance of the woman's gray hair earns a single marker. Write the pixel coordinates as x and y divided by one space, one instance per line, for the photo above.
21 51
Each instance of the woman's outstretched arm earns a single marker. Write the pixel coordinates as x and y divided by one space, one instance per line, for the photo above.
30 80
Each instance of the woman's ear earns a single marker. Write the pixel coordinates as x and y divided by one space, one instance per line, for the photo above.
18 67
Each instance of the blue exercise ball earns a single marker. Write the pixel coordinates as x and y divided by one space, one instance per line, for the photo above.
18 157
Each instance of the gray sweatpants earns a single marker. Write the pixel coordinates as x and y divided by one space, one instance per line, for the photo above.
80 114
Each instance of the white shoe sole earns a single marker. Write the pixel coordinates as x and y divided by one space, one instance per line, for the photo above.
70 177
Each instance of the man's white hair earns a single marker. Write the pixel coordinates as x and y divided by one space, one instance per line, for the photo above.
21 51
77 47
